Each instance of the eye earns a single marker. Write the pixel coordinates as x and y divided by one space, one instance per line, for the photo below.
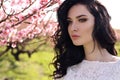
83 20
69 21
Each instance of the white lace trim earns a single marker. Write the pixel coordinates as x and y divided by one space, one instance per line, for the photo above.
93 70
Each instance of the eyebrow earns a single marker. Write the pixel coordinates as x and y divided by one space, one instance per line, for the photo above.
78 16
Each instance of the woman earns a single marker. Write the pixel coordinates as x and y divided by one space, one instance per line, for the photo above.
84 43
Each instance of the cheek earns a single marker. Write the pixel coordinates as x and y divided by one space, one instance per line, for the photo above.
87 32
89 28
69 30
88 36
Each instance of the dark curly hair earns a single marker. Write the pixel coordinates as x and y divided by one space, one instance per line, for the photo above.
67 54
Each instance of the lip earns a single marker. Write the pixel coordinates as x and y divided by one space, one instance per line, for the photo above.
75 36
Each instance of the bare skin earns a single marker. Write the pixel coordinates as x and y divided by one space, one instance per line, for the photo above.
80 28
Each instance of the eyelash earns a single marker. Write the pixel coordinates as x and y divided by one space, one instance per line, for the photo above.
69 21
80 20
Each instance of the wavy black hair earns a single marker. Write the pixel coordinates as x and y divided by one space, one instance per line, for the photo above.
67 54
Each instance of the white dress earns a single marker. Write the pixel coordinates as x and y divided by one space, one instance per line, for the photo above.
93 70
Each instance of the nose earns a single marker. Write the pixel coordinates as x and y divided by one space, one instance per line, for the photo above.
74 27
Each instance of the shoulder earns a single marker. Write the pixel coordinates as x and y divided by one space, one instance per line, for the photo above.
117 63
116 69
116 59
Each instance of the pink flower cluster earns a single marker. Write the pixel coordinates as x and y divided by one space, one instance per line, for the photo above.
26 19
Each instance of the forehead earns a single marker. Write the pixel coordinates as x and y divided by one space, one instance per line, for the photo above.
78 9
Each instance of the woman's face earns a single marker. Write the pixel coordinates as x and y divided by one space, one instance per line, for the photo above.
81 25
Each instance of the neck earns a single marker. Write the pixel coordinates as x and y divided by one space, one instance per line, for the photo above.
95 53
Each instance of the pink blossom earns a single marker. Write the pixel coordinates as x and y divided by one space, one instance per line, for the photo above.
37 30
25 28
13 45
3 42
43 2
30 36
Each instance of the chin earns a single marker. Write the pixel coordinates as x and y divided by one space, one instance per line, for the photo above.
76 44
